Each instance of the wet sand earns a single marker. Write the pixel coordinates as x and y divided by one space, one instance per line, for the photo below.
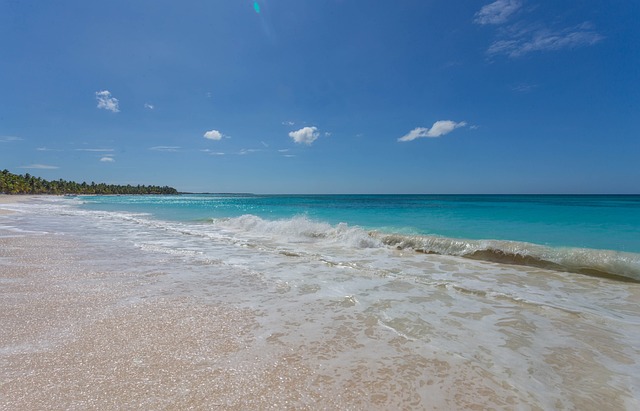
77 338
74 338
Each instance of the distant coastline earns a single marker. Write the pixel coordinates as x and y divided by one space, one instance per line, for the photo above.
27 184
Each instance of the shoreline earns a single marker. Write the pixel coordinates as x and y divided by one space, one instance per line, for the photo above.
13 199
77 330
98 317
616 265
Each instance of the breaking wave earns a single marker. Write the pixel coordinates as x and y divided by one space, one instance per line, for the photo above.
601 263
301 228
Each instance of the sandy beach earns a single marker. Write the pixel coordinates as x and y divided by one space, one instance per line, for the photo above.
68 343
103 310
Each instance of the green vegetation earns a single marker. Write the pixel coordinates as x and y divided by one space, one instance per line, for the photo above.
27 184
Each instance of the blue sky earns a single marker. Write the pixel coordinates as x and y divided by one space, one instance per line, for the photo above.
332 96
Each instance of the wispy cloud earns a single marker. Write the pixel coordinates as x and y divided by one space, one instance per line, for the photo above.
9 139
96 150
213 135
439 128
246 151
149 106
47 149
106 101
288 123
524 87
526 40
107 159
522 36
305 135
40 167
497 12
165 148
212 153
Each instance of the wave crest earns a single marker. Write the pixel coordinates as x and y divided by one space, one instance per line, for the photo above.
601 263
301 228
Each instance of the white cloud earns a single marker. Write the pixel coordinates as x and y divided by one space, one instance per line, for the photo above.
149 106
439 128
107 159
305 135
497 12
213 135
9 139
288 123
528 40
40 167
105 101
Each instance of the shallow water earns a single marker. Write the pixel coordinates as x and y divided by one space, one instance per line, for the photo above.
115 309
606 222
594 235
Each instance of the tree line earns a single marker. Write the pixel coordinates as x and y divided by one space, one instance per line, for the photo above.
27 184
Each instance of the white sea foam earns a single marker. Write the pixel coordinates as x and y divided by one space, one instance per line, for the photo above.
250 229
300 228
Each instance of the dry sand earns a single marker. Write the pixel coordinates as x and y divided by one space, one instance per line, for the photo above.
11 199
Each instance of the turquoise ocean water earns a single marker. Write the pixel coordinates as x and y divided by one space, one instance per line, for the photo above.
554 229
